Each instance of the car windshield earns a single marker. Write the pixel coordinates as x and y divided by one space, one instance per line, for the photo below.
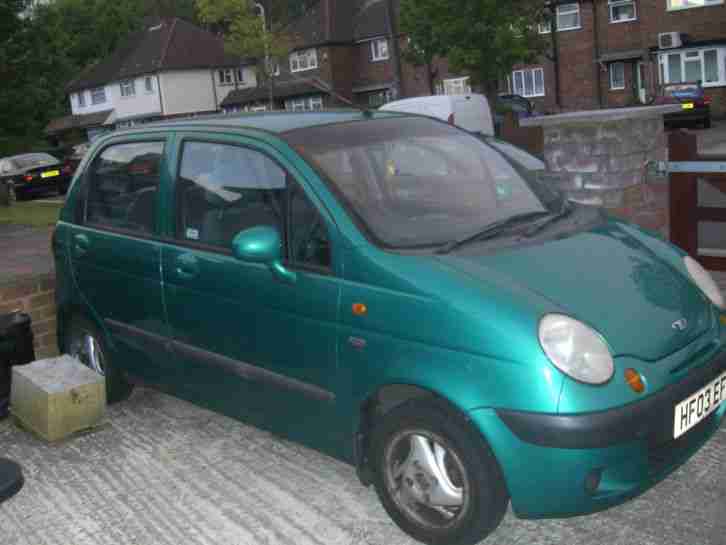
681 89
415 182
34 160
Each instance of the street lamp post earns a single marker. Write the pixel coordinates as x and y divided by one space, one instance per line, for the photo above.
268 67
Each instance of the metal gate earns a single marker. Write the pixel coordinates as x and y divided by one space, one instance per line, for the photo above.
697 201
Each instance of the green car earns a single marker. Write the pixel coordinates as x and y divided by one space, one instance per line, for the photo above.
400 295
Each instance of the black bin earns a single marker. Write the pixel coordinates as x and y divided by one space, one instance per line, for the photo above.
16 348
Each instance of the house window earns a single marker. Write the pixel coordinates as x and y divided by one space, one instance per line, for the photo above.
98 95
304 104
456 86
379 98
688 4
622 11
617 76
379 50
149 84
304 60
240 73
705 65
568 18
128 89
226 76
82 99
529 83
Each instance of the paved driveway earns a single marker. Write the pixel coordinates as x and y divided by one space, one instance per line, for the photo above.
165 472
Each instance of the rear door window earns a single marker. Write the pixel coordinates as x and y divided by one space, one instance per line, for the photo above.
122 187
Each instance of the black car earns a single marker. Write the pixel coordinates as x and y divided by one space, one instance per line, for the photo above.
695 104
520 106
34 173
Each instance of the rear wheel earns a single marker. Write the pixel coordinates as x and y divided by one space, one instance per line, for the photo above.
87 346
436 477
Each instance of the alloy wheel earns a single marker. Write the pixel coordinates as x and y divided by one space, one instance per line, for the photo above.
426 479
86 349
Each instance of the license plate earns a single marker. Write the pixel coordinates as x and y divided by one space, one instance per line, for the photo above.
698 406
50 173
687 105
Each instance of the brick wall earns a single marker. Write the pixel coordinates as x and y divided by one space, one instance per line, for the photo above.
36 297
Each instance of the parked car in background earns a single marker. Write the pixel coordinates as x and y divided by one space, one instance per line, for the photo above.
403 295
517 104
32 174
470 112
695 104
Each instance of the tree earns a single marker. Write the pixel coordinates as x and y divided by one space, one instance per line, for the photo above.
248 34
482 38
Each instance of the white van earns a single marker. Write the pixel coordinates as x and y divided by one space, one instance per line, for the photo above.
469 112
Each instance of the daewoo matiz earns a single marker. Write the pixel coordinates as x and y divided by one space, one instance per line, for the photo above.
401 295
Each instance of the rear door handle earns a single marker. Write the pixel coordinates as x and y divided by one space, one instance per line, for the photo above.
186 267
81 244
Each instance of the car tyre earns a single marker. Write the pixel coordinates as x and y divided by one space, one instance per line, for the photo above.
707 123
436 477
85 343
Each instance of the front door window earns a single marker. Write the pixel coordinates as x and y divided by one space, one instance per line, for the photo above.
225 189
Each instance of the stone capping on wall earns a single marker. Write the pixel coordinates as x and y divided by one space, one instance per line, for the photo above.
594 117
35 295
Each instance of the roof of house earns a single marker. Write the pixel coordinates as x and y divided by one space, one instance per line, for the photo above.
370 19
85 121
163 44
281 90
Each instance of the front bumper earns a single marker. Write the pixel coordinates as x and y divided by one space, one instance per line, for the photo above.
564 465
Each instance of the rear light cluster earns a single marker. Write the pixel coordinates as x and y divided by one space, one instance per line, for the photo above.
28 177
67 169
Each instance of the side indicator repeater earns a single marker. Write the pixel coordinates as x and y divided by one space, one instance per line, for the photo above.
359 309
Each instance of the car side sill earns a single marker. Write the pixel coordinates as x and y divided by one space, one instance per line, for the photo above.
241 369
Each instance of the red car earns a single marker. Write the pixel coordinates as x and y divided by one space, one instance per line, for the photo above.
695 104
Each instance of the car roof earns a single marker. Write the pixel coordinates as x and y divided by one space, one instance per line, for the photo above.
276 122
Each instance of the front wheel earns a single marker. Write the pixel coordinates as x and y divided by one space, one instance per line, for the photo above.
87 345
436 477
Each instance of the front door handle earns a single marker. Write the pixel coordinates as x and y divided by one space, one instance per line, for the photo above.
186 267
81 244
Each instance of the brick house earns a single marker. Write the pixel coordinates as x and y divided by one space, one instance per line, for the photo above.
347 46
613 53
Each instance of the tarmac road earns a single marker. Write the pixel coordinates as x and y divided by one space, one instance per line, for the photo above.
162 471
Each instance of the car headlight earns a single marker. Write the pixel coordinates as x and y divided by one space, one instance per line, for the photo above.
703 279
575 349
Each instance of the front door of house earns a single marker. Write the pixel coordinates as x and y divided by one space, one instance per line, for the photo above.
640 79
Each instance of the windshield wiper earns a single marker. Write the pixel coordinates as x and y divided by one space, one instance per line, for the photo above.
491 231
564 211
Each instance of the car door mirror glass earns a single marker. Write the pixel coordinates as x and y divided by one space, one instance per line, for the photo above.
260 244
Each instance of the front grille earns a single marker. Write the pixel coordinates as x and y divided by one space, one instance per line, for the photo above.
661 454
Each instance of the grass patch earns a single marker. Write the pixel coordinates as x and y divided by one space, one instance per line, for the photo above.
35 214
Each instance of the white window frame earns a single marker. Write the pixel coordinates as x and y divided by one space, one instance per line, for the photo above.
691 4
98 95
379 50
614 85
148 84
225 76
456 86
612 4
546 28
302 61
304 104
522 91
81 99
663 61
128 88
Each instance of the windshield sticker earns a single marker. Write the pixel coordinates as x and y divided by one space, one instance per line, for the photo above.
192 234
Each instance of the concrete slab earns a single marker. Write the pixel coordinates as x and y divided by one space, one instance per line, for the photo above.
166 472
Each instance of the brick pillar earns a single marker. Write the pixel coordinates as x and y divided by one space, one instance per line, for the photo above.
36 297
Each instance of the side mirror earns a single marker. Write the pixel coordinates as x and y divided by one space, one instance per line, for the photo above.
262 245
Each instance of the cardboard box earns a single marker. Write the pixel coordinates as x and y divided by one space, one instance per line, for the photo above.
57 397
